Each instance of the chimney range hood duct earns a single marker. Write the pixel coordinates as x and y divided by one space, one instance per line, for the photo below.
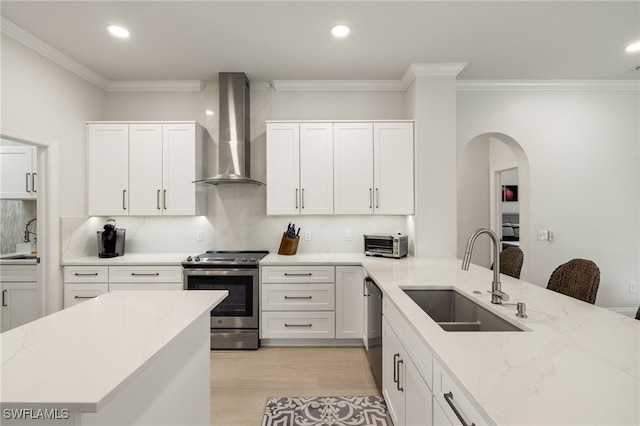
234 141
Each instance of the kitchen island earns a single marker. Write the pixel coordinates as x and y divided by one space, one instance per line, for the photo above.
134 357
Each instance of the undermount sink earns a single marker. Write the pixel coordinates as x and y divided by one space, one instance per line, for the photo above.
455 312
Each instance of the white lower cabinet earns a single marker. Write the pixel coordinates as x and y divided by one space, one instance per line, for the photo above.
20 296
408 397
452 402
298 325
82 283
349 302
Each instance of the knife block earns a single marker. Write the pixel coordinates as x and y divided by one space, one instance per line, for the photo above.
288 246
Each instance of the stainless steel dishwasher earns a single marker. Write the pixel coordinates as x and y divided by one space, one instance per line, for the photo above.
373 342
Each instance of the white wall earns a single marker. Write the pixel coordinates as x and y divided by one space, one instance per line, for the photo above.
583 151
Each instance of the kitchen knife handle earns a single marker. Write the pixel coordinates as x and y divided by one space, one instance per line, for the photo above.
449 398
124 196
158 199
164 199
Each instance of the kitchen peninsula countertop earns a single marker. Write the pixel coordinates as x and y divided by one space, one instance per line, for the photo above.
575 363
80 358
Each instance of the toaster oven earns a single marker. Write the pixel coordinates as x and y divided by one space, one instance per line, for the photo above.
386 245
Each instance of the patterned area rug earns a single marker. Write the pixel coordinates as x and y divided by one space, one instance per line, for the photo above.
326 411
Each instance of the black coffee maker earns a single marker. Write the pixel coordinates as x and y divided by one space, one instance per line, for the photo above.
110 240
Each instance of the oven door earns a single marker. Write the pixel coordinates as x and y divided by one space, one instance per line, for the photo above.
240 308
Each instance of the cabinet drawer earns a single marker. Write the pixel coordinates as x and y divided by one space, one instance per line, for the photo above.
19 273
298 274
455 401
145 286
291 297
145 274
78 293
86 274
298 325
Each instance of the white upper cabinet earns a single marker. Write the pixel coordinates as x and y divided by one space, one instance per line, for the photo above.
393 168
299 168
144 169
108 169
18 172
353 168
283 168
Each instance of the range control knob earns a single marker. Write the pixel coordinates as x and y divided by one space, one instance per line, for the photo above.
197 259
253 259
189 259
244 259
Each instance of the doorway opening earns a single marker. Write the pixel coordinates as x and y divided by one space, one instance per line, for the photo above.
487 163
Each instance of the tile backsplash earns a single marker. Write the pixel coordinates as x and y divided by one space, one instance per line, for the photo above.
15 215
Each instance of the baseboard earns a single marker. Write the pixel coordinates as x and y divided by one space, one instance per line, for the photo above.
311 342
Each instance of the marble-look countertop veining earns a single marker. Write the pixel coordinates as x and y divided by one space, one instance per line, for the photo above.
79 358
576 363
130 259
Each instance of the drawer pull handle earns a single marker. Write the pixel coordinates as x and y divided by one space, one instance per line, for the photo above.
298 325
449 398
137 274
400 388
298 297
93 274
288 274
4 294
85 297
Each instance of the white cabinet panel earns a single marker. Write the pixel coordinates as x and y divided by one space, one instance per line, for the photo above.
452 400
393 168
353 168
180 159
298 274
145 286
298 325
108 169
20 304
86 274
18 172
316 168
145 169
283 168
75 293
298 297
349 302
145 274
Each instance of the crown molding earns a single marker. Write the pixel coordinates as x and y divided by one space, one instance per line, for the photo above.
336 85
12 30
19 135
490 85
155 86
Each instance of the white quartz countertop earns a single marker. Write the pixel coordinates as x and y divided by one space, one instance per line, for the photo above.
576 363
130 259
79 358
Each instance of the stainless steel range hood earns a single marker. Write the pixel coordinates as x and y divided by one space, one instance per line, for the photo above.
234 141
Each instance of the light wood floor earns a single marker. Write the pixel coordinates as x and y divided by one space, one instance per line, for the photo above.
242 380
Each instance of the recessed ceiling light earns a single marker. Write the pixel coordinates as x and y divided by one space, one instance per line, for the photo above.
635 47
340 30
118 31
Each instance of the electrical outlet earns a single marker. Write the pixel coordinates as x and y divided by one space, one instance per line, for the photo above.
348 236
307 235
543 235
633 287
199 236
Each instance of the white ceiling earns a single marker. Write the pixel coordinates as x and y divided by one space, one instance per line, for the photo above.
290 40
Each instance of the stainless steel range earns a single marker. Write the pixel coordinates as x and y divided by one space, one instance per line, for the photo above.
234 322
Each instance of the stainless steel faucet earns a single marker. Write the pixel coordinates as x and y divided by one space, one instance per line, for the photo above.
497 296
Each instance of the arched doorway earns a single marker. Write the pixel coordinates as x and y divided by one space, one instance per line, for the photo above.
480 166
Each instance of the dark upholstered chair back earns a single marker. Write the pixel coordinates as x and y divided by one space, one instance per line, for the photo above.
511 260
638 314
578 278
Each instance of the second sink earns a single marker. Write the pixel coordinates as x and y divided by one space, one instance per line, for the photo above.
455 312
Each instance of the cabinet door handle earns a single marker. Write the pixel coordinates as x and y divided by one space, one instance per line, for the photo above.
92 274
395 367
85 297
33 182
26 181
158 199
377 199
370 198
449 398
289 274
124 196
298 297
164 199
296 198
298 325
302 198
4 300
138 274
400 388
364 288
